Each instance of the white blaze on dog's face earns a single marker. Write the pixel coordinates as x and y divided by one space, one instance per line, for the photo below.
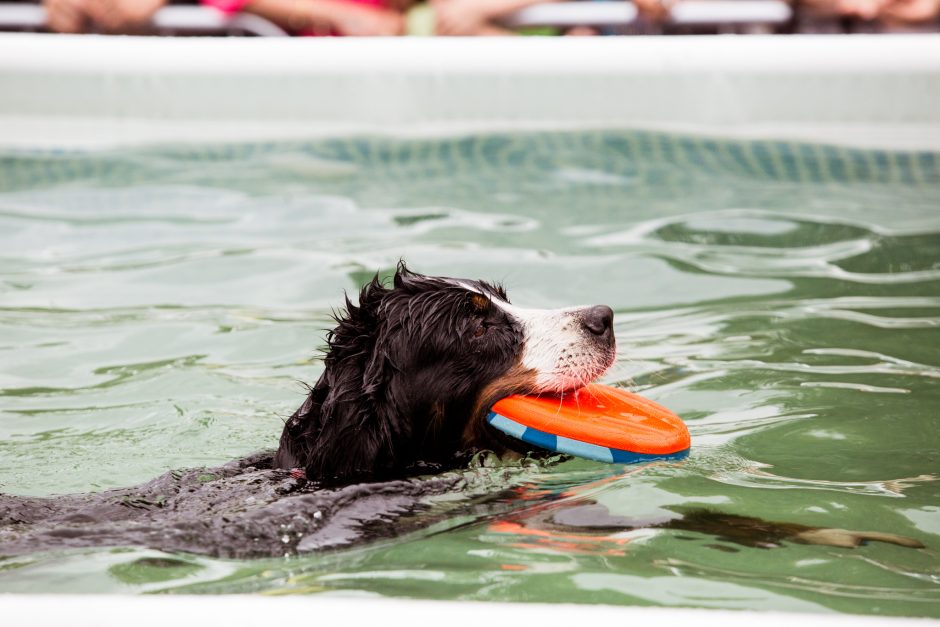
564 349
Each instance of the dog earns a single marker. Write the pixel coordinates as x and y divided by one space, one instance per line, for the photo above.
412 370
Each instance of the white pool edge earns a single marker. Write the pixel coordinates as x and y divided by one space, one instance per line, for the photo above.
87 92
254 610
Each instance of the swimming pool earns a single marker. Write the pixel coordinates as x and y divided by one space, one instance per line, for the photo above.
781 296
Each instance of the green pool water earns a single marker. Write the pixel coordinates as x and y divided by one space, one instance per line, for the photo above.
159 306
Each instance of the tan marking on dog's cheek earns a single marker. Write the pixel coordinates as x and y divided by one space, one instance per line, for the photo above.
517 380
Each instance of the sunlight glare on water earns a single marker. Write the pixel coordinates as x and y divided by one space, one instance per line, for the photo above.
158 307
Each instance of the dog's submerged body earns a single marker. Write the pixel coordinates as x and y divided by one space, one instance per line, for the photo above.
410 374
243 509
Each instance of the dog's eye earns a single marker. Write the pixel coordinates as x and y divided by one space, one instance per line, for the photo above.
480 330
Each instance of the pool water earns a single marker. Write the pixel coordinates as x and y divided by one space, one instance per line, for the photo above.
160 305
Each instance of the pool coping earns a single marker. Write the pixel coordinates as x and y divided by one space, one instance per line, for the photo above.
159 611
97 91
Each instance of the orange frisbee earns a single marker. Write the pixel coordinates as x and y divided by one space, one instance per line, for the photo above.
596 422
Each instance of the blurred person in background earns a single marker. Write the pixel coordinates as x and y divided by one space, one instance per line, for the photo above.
891 13
483 17
302 17
910 12
475 17
110 16
440 17
325 17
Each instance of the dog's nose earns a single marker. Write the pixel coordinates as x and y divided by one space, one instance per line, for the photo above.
598 319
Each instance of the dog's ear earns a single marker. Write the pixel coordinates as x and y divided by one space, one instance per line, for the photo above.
350 435
358 422
351 440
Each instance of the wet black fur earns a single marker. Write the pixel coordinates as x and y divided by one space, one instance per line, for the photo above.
404 372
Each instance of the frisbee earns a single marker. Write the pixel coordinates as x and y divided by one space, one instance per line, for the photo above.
595 422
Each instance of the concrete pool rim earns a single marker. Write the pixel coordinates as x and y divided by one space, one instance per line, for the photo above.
157 611
97 91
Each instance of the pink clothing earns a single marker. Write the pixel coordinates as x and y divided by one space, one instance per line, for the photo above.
234 6
226 6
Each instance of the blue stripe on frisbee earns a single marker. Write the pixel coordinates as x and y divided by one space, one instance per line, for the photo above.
583 449
540 438
507 426
577 448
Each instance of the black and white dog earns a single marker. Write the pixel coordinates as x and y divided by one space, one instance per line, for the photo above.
412 370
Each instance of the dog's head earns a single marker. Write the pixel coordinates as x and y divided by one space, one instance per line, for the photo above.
412 370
